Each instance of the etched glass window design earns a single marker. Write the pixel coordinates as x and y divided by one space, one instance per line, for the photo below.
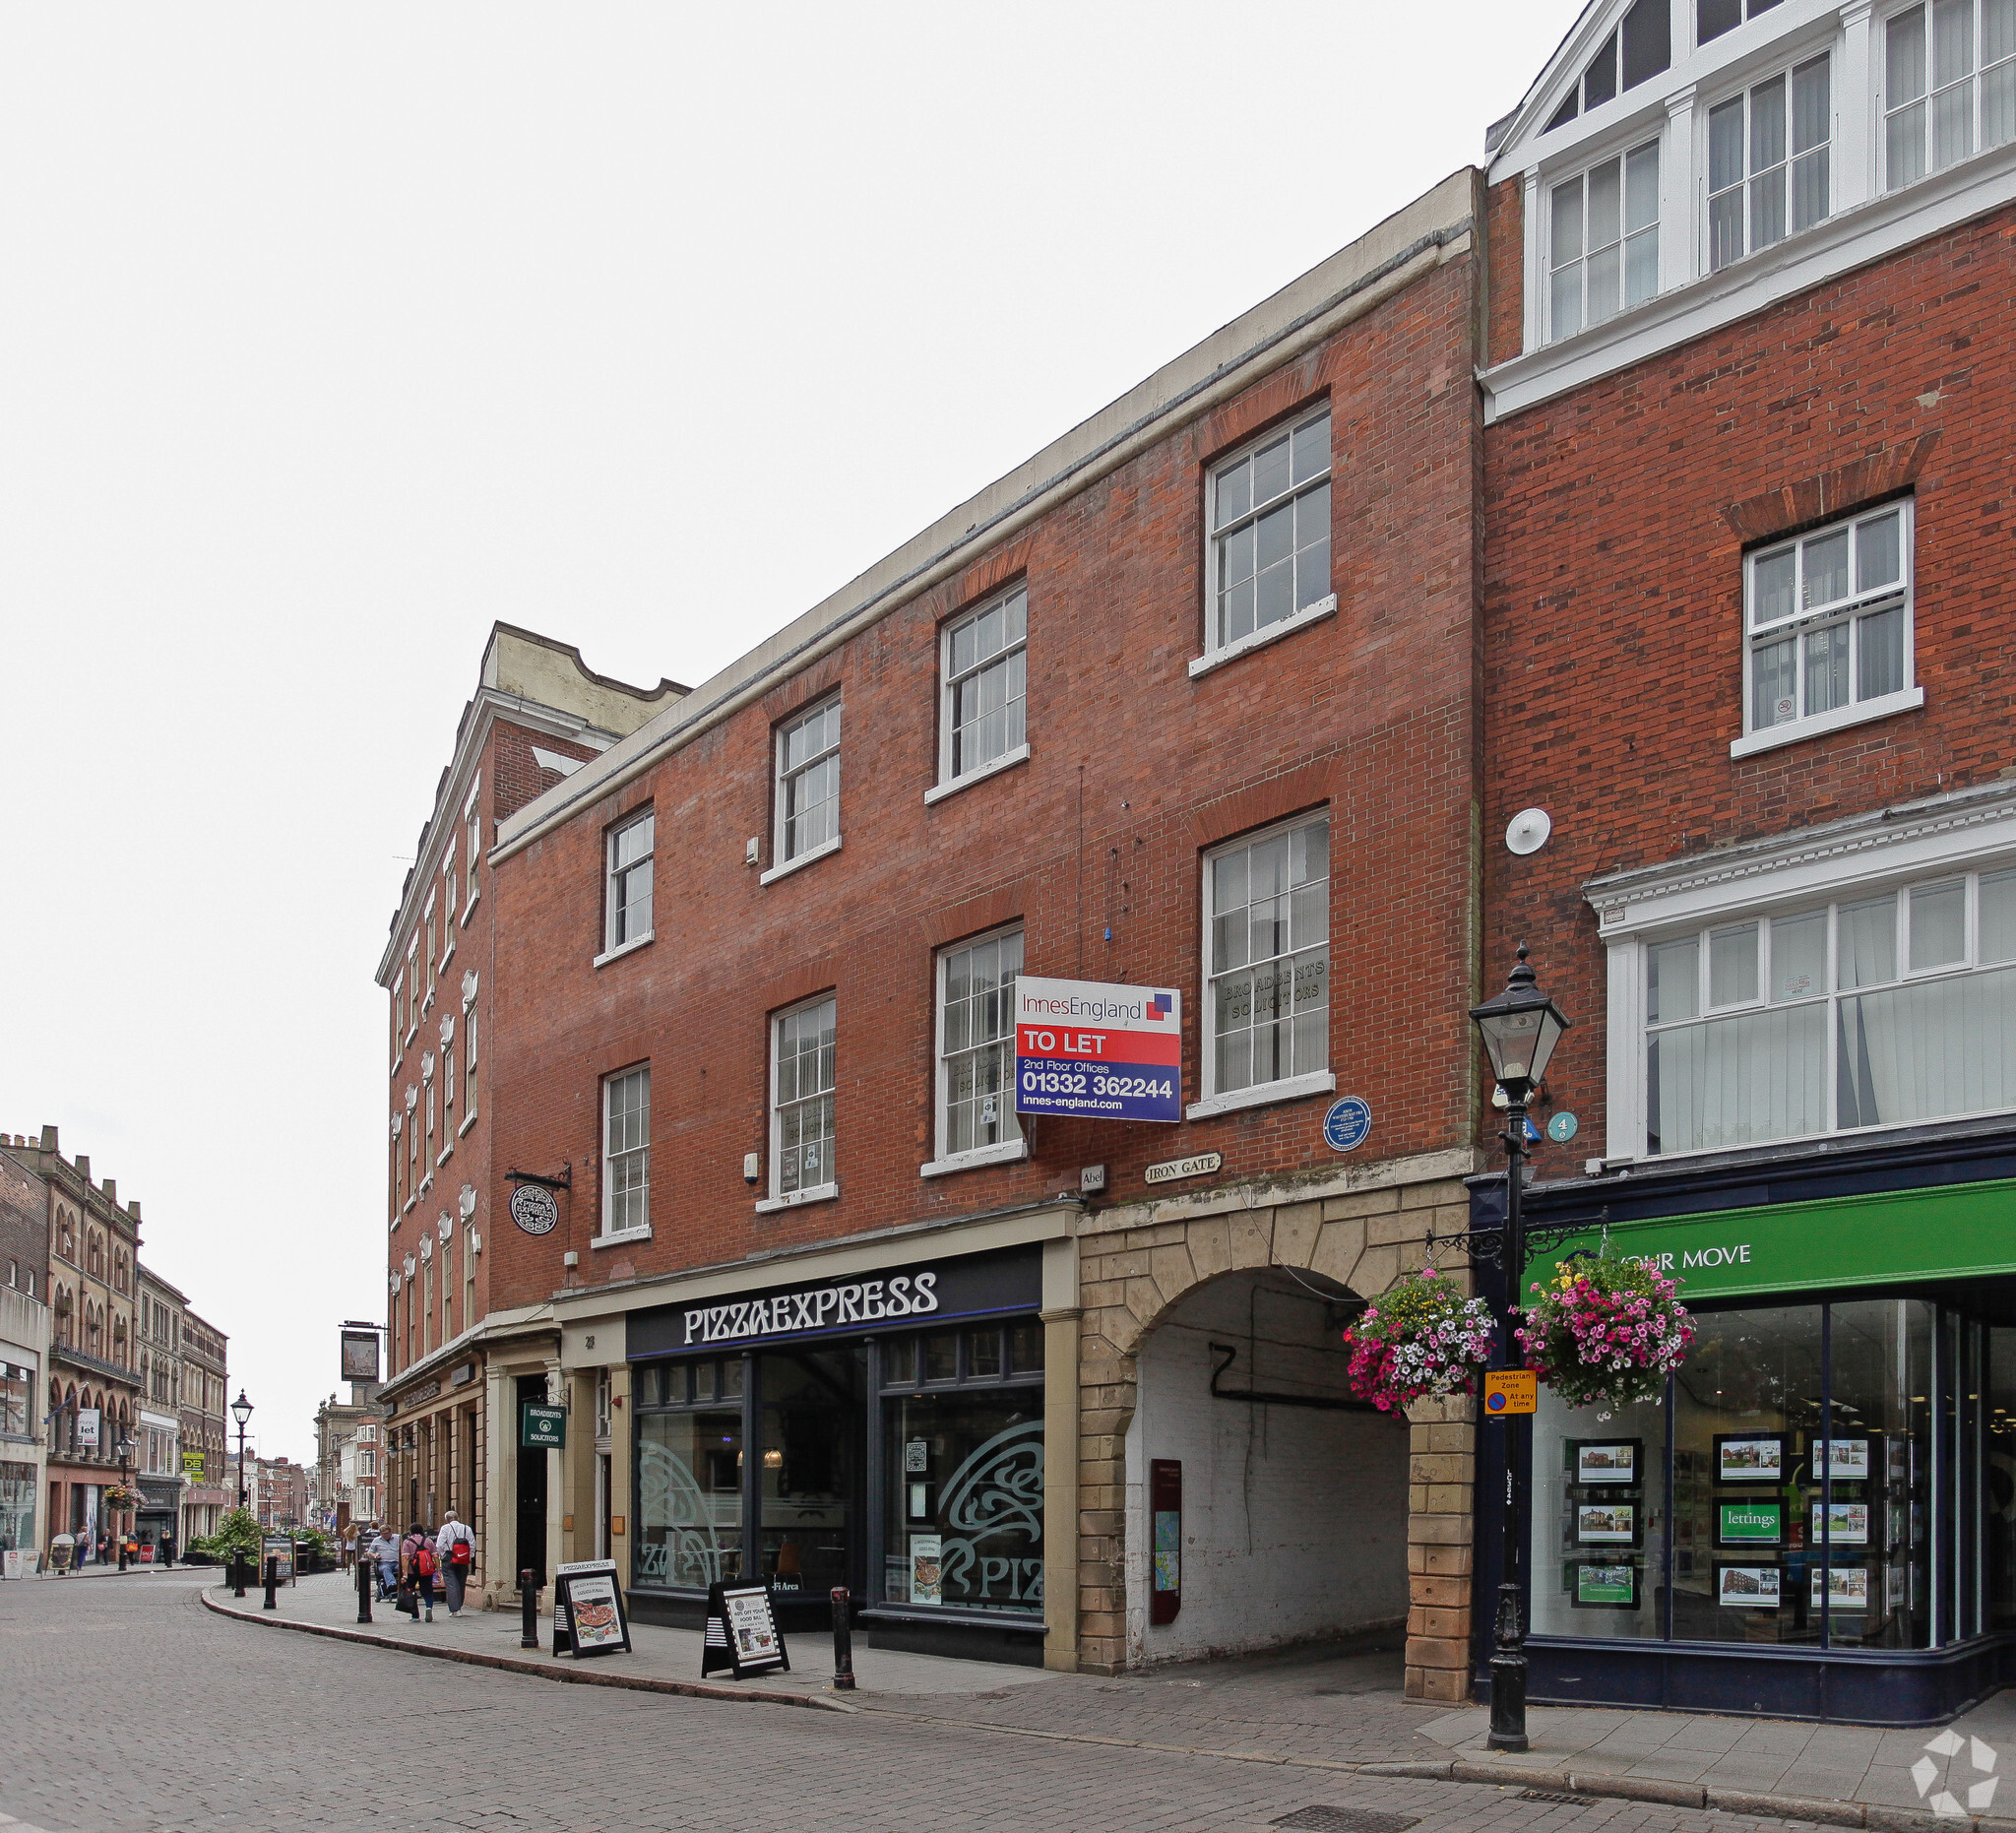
801 1138
986 684
976 1044
1269 904
808 781
1829 620
1768 162
626 1152
1270 529
1949 85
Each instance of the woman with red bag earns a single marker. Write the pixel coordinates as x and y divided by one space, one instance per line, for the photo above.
416 1568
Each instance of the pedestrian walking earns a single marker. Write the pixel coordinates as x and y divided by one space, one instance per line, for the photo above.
384 1554
167 1549
418 1566
455 1551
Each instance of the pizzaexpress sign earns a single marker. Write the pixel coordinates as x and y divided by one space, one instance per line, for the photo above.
934 1292
1884 1239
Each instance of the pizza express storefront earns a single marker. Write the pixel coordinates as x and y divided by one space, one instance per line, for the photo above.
883 1432
1820 1519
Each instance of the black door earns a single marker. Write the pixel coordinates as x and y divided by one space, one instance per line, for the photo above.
532 1488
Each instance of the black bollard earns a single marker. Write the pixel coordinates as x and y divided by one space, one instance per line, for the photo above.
528 1595
363 1588
272 1582
843 1643
237 1575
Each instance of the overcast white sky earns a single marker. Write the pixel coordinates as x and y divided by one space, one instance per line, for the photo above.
328 336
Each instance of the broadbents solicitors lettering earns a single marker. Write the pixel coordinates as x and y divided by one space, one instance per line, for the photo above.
865 1301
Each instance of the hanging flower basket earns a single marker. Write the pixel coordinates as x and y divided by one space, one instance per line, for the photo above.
1419 1337
117 1495
1608 1328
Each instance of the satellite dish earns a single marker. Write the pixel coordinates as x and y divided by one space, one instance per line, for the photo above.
1529 831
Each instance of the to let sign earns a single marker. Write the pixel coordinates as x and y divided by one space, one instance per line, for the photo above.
543 1429
1511 1390
1098 1050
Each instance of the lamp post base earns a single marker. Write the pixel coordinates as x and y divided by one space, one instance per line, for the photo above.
1508 1677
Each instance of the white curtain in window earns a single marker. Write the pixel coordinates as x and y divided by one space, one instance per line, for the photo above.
1736 1080
1917 1053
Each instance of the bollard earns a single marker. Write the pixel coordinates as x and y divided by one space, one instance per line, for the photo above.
272 1583
237 1575
528 1591
843 1643
363 1590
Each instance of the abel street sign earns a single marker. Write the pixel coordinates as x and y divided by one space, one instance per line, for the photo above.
1098 1050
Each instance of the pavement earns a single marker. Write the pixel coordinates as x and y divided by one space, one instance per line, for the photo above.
1334 1709
139 1710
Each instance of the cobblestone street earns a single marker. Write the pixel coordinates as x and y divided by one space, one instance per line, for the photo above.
225 1726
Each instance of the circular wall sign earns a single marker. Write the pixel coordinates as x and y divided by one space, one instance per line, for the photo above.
1347 1123
534 1210
1562 1127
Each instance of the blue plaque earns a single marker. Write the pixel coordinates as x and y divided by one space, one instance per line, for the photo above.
1347 1123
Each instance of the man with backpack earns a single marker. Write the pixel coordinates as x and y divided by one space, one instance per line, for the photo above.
455 1551
417 1566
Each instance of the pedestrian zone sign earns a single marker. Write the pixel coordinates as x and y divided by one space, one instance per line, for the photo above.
1511 1390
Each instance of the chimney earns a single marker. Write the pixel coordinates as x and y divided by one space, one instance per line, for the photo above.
112 1190
83 1166
49 1139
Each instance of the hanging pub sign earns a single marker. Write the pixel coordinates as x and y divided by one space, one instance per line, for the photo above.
589 1618
361 1356
1098 1050
741 1632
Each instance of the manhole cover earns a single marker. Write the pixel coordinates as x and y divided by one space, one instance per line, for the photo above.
1556 1794
1344 1820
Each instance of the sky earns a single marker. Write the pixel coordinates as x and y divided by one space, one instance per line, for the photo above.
330 336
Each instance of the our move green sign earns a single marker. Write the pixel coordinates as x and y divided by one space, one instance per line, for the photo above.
543 1429
1960 1232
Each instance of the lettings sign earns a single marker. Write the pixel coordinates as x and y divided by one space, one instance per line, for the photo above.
1098 1051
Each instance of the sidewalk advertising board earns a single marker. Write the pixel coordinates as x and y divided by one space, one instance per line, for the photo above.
1097 1051
19 1562
742 1632
278 1547
589 1618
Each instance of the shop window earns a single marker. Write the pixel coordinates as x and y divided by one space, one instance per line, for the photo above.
1866 1012
1949 85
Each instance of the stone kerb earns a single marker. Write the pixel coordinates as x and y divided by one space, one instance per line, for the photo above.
1137 1261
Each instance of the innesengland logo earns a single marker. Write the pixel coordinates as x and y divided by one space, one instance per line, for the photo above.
1926 1774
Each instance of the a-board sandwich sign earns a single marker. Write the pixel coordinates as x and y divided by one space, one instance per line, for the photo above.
589 1618
280 1547
742 1634
1097 1051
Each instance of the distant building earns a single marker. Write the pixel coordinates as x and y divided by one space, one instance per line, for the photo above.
157 1449
337 1427
24 1357
204 1458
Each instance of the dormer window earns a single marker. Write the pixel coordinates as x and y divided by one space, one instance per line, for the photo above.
1602 252
1768 151
1640 47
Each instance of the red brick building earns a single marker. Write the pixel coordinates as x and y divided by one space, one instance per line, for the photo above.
1187 702
1748 638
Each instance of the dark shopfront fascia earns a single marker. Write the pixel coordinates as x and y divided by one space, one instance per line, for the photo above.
883 1432
1819 1519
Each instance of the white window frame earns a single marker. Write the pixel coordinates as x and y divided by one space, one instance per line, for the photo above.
413 989
615 879
1217 649
1013 657
1847 612
472 821
427 933
638 1154
1001 1150
1626 235
1841 863
1790 157
449 925
788 857
829 1187
468 1064
1889 111
1287 1088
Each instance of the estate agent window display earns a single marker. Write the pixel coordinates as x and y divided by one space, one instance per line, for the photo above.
958 1519
1833 1475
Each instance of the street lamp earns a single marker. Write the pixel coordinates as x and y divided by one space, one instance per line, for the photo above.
241 1411
1519 1030
125 1458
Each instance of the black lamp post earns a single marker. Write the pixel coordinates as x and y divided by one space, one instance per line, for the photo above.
125 1460
241 1411
1519 1030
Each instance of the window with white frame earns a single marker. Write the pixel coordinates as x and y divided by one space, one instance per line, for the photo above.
1603 241
450 883
447 1081
626 1152
1870 1010
1828 619
629 880
976 1044
985 691
432 955
1949 85
468 1059
1267 902
413 987
1713 18
1768 162
808 781
475 846
801 1140
1269 514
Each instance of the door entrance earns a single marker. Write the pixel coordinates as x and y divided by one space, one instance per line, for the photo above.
532 1487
